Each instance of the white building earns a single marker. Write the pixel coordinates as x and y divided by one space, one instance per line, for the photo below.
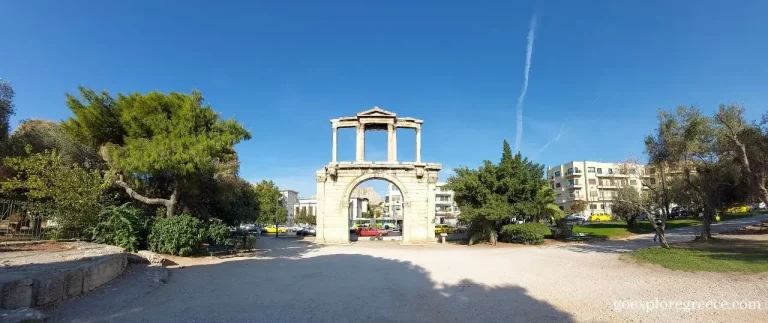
308 205
593 182
446 210
290 198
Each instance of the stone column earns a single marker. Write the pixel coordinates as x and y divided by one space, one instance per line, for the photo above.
391 143
418 144
360 152
334 149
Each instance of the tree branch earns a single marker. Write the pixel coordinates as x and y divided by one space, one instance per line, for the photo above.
135 195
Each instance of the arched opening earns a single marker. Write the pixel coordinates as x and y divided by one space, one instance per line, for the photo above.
375 210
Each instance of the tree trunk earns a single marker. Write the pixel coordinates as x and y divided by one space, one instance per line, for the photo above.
754 177
662 238
170 204
706 228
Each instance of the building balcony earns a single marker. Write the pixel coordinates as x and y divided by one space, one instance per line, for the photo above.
607 186
443 202
574 186
574 174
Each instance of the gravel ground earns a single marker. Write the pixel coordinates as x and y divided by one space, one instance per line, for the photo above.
295 281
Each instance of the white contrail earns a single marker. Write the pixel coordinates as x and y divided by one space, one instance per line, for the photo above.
528 54
554 140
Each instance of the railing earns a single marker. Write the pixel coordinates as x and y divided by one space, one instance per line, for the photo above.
26 221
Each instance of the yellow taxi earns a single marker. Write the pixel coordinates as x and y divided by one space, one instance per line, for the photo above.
738 209
444 228
273 229
600 217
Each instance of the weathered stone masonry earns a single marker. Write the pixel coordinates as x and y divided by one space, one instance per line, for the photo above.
416 180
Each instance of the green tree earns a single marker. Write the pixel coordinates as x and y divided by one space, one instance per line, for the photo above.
304 217
698 146
492 194
628 204
6 109
44 135
154 142
74 192
578 206
271 203
748 143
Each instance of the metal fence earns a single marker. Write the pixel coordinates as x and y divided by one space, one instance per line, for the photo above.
25 221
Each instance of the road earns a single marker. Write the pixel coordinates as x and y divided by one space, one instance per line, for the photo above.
296 281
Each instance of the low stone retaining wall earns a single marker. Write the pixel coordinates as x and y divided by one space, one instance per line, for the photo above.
27 289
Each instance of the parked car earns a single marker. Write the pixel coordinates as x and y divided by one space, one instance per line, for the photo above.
306 231
444 228
642 217
273 229
578 218
371 232
600 217
517 220
249 227
676 212
739 209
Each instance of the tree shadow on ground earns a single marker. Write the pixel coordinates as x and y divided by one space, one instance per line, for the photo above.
317 287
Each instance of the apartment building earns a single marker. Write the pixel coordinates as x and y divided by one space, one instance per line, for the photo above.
593 182
446 210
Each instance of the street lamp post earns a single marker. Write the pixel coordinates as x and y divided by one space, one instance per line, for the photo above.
277 226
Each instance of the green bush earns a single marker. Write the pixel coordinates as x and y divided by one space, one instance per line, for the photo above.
122 226
526 233
217 232
177 235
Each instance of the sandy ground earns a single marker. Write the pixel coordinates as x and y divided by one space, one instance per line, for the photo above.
296 281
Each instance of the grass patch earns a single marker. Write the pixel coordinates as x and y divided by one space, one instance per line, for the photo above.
619 229
615 229
718 255
733 216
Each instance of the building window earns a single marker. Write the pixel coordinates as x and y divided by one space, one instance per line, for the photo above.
576 169
653 181
651 171
602 206
633 171
557 184
610 170
557 174
633 182
570 182
593 193
599 170
570 171
592 181
590 169
592 206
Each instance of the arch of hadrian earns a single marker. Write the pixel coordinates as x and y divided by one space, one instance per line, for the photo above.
416 180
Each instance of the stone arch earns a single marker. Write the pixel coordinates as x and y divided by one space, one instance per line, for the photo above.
365 177
415 180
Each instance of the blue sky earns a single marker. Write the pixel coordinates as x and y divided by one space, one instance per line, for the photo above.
600 70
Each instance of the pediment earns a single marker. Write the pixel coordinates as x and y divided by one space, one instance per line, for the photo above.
377 112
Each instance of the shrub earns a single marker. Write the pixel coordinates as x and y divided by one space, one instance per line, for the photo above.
122 226
217 232
562 229
526 233
177 235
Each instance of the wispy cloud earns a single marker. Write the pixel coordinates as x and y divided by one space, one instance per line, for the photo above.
521 99
554 140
